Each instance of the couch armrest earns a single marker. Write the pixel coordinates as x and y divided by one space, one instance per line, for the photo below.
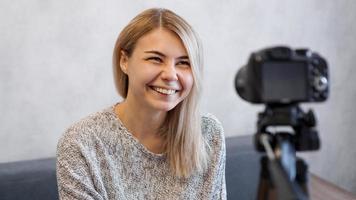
34 179
242 168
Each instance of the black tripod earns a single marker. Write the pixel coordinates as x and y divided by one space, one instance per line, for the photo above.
284 176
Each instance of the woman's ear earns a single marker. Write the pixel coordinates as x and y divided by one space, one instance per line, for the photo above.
124 61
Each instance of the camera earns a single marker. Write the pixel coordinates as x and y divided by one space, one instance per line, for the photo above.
281 78
281 75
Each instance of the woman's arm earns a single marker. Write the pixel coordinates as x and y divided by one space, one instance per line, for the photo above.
73 173
223 160
216 131
223 187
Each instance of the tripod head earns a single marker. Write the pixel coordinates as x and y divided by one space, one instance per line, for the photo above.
304 136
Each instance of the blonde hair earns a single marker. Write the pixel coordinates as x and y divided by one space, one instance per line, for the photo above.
187 151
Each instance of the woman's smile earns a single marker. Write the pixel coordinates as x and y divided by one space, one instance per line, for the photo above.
164 91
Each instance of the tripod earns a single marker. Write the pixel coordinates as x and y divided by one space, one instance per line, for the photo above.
283 176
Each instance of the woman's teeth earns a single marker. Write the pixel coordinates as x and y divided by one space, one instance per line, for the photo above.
164 91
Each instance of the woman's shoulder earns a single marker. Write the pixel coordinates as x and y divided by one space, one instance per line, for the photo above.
212 128
210 119
89 126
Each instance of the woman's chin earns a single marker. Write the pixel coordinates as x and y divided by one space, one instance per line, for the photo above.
165 106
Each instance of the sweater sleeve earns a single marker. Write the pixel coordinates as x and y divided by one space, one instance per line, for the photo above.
73 173
216 132
223 181
222 168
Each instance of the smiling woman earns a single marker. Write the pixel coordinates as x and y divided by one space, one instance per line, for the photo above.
160 63
155 144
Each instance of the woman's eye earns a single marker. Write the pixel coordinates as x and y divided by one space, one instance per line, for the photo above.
184 63
155 59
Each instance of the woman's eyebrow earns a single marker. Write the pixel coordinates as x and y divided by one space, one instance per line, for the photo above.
163 55
156 52
183 57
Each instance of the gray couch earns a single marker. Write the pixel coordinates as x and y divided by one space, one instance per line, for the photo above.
36 179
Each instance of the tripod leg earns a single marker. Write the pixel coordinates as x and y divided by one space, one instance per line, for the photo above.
302 175
265 188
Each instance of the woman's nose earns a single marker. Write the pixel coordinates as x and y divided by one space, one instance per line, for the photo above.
169 72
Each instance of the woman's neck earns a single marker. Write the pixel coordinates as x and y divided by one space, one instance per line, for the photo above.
143 123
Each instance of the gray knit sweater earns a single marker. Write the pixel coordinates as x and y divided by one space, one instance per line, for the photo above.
98 158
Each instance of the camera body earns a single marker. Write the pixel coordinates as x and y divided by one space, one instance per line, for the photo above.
280 75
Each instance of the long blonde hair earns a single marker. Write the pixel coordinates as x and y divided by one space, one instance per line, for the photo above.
187 151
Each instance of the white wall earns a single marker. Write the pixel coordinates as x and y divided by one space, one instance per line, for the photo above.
55 67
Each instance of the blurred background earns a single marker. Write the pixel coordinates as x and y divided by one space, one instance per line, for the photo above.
55 67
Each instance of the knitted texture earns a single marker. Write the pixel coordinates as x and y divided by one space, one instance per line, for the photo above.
98 158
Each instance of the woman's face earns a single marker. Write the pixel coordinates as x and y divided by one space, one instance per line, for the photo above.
159 71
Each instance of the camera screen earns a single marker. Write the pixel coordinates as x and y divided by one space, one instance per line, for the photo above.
284 81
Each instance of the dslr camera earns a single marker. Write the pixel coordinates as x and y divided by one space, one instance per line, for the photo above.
281 78
280 75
